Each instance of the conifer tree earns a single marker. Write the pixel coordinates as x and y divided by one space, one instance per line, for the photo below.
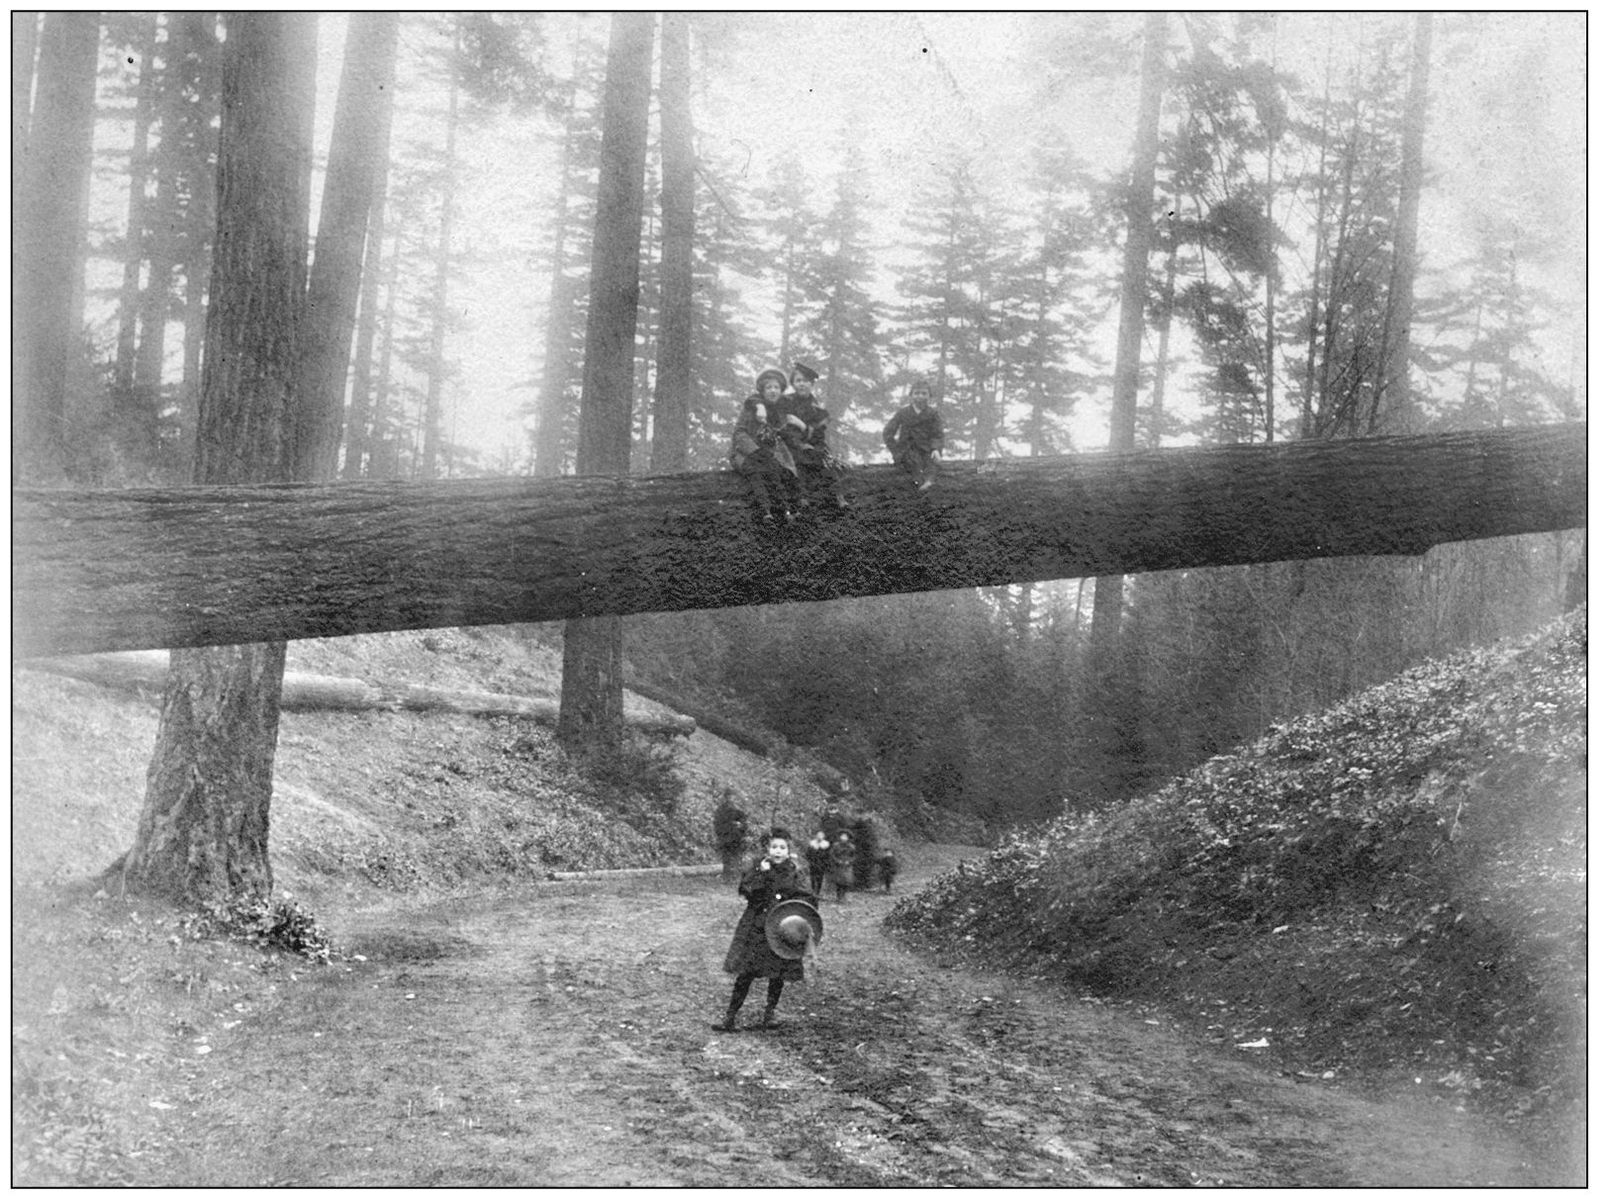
841 332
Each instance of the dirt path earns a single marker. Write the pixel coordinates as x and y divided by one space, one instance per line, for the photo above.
565 1039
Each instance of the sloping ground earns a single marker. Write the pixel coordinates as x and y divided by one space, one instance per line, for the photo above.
377 802
1395 883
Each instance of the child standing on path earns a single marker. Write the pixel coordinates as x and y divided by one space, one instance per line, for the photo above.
773 878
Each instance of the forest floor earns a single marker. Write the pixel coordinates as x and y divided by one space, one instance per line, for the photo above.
481 1024
561 1034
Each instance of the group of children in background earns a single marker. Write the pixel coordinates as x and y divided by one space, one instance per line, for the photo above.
780 444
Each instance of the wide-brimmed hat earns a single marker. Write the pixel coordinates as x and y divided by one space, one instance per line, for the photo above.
762 377
792 926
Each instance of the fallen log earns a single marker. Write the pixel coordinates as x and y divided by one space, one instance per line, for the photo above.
664 870
99 571
717 724
305 692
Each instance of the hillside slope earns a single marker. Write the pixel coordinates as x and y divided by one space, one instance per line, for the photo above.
1396 882
389 802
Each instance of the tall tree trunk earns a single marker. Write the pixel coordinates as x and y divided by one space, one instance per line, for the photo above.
590 679
1108 597
356 146
548 447
1395 392
431 418
134 246
674 374
387 437
204 830
1161 369
200 220
360 430
48 318
1307 416
24 52
156 305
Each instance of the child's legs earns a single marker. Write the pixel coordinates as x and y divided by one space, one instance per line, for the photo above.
741 990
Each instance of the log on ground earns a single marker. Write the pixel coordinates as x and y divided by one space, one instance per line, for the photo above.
307 692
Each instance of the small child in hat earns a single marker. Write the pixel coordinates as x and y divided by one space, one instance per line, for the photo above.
775 877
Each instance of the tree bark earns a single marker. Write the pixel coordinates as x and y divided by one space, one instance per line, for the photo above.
104 571
364 411
1108 599
50 236
548 441
1395 391
201 219
203 833
674 376
590 683
356 145
134 243
431 433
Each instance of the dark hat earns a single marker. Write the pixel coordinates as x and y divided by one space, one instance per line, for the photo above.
805 371
791 926
765 374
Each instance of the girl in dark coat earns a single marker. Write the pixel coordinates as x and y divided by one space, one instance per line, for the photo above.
773 878
760 455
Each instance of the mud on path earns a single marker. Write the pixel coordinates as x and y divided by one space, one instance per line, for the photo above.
565 1039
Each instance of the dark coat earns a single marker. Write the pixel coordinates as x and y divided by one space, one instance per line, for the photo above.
756 438
910 429
816 861
842 863
809 444
749 954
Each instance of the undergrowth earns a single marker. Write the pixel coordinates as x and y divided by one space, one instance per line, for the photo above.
1398 881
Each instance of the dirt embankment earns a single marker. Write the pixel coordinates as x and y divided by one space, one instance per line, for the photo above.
564 1038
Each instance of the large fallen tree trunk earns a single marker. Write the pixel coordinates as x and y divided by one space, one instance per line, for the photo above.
100 571
303 692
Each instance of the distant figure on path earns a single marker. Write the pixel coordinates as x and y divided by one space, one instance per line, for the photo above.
761 456
887 868
817 861
771 880
842 865
914 436
865 835
729 826
805 428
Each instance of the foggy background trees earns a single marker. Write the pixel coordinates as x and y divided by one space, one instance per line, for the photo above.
1341 225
